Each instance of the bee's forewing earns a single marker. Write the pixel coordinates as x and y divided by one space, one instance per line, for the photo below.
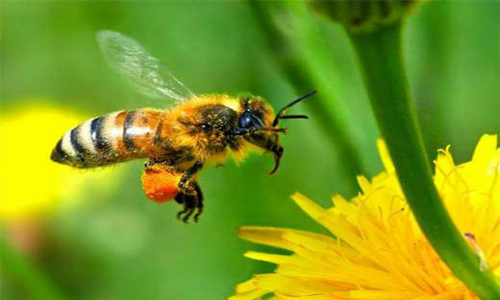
142 69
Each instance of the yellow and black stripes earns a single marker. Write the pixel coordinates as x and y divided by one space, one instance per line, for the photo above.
129 131
111 138
97 135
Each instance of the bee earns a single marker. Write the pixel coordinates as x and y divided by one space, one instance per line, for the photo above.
177 141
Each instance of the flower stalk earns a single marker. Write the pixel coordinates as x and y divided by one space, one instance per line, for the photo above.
384 74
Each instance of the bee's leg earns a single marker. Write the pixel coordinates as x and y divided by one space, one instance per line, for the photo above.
179 198
193 203
156 162
184 183
189 193
199 202
189 206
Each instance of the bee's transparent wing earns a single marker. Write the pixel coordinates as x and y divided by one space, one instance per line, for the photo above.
142 69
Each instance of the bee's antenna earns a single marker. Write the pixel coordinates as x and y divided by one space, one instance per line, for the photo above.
281 112
294 117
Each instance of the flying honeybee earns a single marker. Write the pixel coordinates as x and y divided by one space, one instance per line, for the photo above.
178 141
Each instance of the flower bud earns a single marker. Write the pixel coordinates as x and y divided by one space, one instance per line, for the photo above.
364 16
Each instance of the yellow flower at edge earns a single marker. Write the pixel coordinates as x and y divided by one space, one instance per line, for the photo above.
379 252
30 183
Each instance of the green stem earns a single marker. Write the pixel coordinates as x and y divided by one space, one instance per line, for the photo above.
327 109
21 270
382 66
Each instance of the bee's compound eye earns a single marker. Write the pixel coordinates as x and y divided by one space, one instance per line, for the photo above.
205 126
246 119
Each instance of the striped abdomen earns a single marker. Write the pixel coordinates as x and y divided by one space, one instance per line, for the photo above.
112 138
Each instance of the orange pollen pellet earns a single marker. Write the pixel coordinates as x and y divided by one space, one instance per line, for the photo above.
160 185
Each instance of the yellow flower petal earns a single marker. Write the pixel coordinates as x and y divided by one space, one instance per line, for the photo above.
264 235
377 251
272 258
312 209
385 156
485 150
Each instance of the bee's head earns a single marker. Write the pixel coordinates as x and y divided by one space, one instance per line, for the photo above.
258 125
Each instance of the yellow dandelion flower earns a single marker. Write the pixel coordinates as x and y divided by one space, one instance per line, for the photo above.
30 183
378 251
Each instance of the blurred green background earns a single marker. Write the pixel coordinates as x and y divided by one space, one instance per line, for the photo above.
122 246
